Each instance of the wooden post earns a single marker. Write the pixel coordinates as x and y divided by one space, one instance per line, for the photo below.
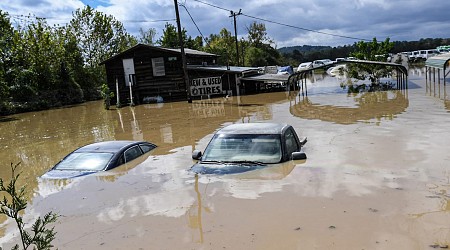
183 55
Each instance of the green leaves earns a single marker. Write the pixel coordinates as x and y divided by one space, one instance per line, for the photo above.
15 202
371 51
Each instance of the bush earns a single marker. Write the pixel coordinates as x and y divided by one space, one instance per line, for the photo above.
15 202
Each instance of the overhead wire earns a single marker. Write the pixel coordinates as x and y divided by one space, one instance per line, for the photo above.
183 5
283 24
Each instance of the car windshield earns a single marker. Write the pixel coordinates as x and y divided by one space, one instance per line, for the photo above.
235 148
85 161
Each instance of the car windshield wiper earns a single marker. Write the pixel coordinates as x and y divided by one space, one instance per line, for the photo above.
248 162
213 161
236 162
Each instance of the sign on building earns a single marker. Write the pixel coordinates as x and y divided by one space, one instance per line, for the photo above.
128 68
206 86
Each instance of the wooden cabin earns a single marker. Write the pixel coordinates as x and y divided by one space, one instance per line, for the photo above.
152 72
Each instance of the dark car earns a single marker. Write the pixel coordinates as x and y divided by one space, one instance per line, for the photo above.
99 156
248 146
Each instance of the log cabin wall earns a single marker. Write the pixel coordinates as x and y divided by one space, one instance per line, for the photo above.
170 85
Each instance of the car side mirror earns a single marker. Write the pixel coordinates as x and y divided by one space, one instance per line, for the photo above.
303 141
196 154
298 156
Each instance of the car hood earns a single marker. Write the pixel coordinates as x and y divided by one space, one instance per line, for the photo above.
65 174
224 168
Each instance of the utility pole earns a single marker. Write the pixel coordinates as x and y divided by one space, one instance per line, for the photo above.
234 14
183 55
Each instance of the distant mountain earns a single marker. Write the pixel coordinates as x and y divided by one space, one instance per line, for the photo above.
304 48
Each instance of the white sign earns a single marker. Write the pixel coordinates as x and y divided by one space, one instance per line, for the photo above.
206 86
128 69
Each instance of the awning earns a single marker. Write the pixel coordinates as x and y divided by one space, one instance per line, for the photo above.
267 78
440 61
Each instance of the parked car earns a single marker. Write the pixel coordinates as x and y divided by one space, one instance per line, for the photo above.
99 156
322 62
243 147
304 66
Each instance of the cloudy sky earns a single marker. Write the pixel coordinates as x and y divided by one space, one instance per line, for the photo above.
288 22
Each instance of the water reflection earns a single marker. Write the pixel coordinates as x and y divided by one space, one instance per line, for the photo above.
440 91
353 108
194 214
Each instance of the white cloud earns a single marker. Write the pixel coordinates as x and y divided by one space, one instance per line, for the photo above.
398 19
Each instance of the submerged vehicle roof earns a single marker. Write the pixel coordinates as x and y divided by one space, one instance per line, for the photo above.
254 128
107 146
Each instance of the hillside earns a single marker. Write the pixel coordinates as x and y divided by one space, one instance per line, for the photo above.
303 48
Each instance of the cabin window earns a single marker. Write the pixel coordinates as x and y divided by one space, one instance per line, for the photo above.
158 66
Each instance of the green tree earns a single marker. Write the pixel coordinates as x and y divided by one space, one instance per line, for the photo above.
98 37
6 44
260 50
223 45
147 36
257 35
170 38
372 51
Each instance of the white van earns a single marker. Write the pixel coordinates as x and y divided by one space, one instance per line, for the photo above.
425 54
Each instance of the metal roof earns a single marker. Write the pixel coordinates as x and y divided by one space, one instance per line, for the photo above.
231 69
440 61
190 52
267 77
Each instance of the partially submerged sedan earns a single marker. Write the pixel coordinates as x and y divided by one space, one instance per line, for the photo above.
99 156
243 147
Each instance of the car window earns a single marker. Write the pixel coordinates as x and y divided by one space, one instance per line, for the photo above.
85 161
146 147
291 142
132 153
262 148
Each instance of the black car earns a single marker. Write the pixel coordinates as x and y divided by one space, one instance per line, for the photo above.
99 156
248 146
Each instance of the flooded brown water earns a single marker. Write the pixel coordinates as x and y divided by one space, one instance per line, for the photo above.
377 174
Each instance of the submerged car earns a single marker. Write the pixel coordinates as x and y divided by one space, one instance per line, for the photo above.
243 147
96 157
305 66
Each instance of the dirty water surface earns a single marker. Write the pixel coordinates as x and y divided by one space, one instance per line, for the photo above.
376 177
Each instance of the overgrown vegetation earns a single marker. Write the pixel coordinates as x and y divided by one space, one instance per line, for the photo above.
371 51
14 203
43 66
107 95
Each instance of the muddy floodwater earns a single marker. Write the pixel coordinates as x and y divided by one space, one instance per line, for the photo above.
377 174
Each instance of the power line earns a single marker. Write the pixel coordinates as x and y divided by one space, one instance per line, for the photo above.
182 5
300 28
212 5
283 24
